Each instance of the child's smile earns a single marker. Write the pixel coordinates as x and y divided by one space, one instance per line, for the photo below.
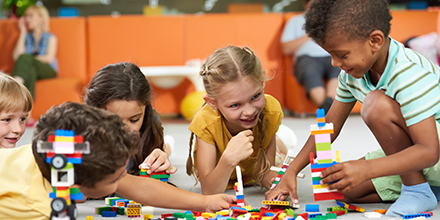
12 127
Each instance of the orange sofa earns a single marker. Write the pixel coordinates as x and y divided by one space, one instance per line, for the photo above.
405 24
71 60
88 44
165 40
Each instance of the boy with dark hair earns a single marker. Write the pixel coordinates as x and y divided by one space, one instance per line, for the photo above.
400 93
25 186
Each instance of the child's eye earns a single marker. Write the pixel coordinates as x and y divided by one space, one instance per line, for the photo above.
6 119
343 56
234 105
256 96
134 120
22 119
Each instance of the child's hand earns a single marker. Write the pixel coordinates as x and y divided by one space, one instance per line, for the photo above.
21 25
158 161
218 202
239 147
287 185
350 174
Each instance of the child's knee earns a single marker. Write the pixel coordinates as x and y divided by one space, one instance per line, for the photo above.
376 104
25 59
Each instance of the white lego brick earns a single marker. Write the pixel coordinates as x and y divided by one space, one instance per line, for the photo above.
372 215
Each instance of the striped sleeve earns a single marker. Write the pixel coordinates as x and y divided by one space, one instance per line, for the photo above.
343 93
416 89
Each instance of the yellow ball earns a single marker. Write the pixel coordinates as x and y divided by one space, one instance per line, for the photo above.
191 104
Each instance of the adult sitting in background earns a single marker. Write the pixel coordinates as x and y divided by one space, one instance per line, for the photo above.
35 50
312 63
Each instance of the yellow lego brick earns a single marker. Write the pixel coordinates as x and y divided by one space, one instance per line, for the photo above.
223 212
320 186
268 202
267 218
146 216
248 207
63 139
281 216
90 217
63 193
208 215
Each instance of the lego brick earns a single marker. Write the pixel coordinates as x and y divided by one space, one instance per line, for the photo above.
331 216
108 214
318 165
326 146
314 215
326 129
268 202
322 138
426 215
99 210
79 196
328 196
372 215
339 212
323 155
324 161
312 208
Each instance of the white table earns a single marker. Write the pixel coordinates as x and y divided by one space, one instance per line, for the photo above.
167 77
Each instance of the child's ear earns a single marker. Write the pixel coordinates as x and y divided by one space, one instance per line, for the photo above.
209 101
377 40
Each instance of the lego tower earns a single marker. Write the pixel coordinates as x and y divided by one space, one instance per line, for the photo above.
322 132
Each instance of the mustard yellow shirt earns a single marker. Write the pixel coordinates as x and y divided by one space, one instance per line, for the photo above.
210 126
24 193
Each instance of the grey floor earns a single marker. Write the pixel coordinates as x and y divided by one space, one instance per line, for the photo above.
354 141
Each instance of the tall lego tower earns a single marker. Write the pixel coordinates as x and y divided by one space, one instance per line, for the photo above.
322 132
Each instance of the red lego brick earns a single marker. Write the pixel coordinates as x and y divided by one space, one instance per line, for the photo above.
328 196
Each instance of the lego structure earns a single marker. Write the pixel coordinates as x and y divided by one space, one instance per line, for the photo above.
322 132
238 187
162 176
62 151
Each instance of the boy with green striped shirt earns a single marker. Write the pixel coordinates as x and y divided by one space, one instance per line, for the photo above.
400 93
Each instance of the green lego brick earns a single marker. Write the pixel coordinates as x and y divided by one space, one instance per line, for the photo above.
316 178
143 173
323 146
179 215
289 212
74 190
281 172
325 161
120 211
99 210
160 176
331 216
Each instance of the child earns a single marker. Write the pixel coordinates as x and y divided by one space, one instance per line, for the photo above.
238 125
25 186
123 89
400 93
15 105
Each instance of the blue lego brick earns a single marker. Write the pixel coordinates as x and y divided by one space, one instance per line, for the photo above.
65 133
240 197
164 179
426 215
269 214
69 160
314 215
316 182
189 212
108 214
326 165
312 208
321 124
320 113
79 196
52 195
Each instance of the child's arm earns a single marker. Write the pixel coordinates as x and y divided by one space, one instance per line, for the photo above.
271 152
155 193
214 176
20 46
423 154
337 114
158 161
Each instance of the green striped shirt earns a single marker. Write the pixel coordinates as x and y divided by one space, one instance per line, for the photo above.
409 78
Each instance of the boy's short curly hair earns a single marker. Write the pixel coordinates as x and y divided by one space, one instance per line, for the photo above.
110 143
354 19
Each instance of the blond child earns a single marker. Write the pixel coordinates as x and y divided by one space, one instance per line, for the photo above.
400 93
25 186
15 105
238 124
